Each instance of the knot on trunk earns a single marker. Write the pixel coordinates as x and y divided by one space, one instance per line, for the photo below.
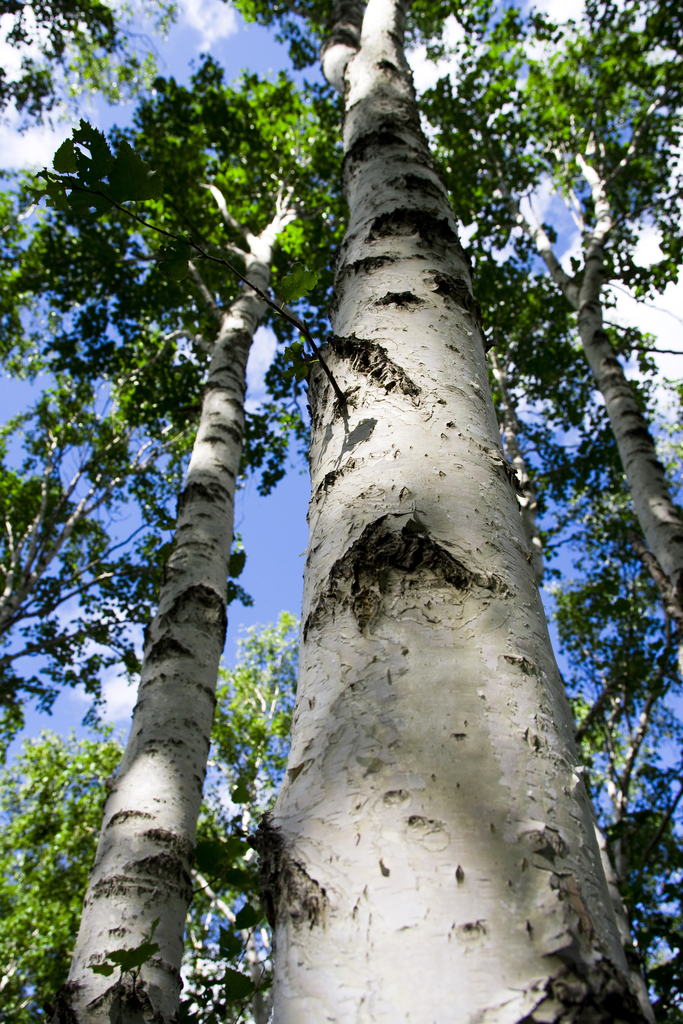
286 888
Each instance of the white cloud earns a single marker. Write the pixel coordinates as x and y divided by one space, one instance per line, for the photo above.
33 148
212 19
120 697
426 73
561 10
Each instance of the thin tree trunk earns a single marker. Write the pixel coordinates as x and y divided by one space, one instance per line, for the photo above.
658 516
431 856
526 495
142 866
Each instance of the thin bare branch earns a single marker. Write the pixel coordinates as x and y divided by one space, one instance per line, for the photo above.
216 312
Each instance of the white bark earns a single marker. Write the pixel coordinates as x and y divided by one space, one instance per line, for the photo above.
431 856
656 511
526 495
142 866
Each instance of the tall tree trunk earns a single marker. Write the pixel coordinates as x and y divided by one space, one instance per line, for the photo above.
431 856
142 866
658 516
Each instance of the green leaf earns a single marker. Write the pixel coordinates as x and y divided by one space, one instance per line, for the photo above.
129 959
298 283
92 170
228 943
236 985
299 366
105 969
237 560
241 794
131 177
247 917
64 161
212 855
173 260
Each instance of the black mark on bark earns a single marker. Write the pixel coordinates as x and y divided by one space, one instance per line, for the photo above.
401 299
388 558
198 604
331 478
457 290
286 888
122 816
372 361
597 993
167 648
212 494
404 222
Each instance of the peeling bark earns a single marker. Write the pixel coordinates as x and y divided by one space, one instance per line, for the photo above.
431 855
143 861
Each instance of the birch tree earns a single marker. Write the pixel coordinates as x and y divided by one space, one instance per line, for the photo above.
172 721
600 118
431 854
80 465
51 805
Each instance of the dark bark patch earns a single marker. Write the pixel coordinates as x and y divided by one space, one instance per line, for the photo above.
122 816
386 559
167 868
456 290
404 300
171 840
381 139
389 67
403 223
331 478
165 649
286 888
211 494
424 185
597 993
198 603
371 360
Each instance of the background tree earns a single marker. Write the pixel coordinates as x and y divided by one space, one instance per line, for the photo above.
69 47
597 118
52 802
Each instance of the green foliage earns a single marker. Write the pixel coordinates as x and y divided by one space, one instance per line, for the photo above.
298 283
79 463
52 801
69 46
625 688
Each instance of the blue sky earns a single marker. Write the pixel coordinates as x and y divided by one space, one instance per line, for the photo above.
273 529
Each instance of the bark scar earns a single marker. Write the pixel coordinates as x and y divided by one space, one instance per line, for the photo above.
389 557
287 890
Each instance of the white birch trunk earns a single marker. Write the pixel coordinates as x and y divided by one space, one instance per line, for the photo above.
658 516
526 495
142 866
431 857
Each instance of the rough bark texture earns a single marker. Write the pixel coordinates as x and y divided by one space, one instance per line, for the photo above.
142 866
431 857
526 493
